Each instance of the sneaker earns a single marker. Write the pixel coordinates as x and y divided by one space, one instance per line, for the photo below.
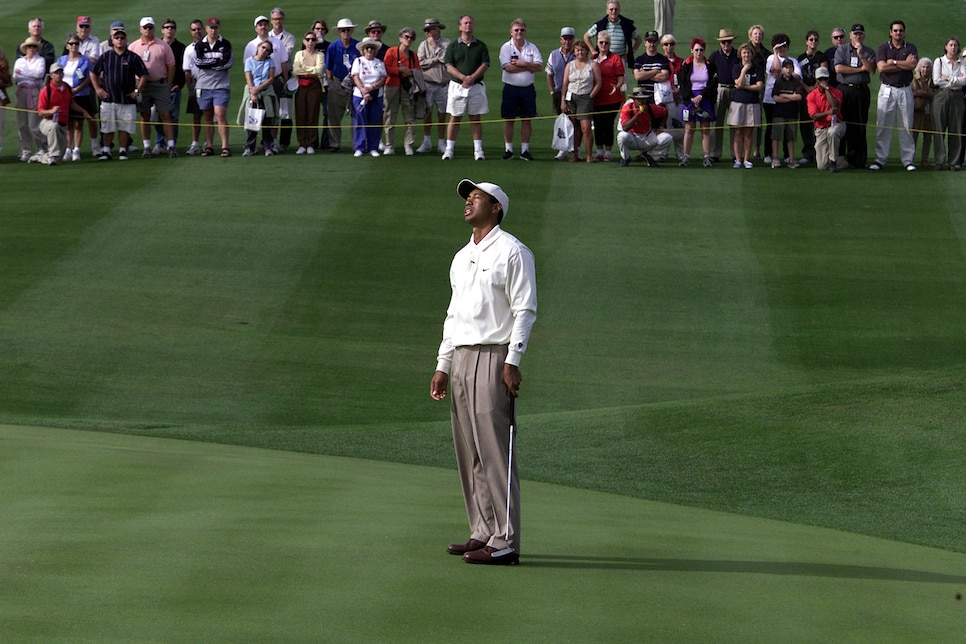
804 161
910 168
737 165
157 150
793 164
748 165
301 150
193 150
561 156
447 155
425 147
52 161
607 156
310 150
775 163
685 161
441 147
248 152
623 163
382 146
132 148
172 152
479 156
75 155
122 155
35 158
272 151
707 163
507 155
147 154
526 156
767 159
876 166
374 153
25 155
104 156
649 160
409 150
388 151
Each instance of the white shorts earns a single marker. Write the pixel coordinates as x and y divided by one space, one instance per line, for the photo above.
472 101
116 117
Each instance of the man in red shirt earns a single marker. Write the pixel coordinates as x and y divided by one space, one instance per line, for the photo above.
53 107
640 120
825 107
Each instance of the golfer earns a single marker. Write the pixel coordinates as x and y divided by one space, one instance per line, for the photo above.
485 334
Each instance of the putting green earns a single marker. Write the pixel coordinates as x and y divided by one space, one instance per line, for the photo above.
110 537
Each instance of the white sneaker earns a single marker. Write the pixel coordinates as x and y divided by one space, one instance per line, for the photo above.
409 150
357 153
425 147
193 150
441 147
35 158
381 146
561 156
310 150
447 155
479 156
301 150
374 153
767 160
25 155
75 155
158 150
388 152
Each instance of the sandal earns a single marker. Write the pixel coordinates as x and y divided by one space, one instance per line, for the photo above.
225 152
207 152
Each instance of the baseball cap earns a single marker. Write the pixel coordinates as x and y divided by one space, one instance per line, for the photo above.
260 19
83 21
821 72
465 187
568 32
857 28
117 26
652 35
56 67
213 22
147 20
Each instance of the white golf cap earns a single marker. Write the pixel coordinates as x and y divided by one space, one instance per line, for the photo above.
260 19
466 186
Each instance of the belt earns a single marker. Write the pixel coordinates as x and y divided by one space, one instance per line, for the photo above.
160 80
856 84
900 86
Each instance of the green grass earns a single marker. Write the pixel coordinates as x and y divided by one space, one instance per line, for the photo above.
783 344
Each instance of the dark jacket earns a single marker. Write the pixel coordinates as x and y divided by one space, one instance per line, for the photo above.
710 92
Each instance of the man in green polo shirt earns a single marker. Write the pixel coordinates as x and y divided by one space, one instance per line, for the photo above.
466 60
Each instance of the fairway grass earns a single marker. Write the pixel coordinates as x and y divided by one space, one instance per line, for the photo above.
120 538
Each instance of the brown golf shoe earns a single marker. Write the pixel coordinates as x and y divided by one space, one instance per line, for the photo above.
462 548
491 556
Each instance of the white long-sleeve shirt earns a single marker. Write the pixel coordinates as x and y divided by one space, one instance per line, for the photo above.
948 74
494 297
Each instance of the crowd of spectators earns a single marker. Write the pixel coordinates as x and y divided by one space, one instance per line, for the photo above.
751 102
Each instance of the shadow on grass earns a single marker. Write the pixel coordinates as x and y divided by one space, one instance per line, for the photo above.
747 567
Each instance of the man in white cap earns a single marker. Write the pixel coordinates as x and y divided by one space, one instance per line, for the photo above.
160 62
431 53
824 104
557 62
485 334
338 64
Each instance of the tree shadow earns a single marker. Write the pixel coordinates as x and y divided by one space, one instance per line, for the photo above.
792 568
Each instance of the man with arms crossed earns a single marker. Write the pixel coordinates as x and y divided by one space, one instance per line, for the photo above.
854 64
896 59
467 60
485 334
118 77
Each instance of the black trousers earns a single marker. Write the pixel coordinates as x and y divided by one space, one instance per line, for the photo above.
856 101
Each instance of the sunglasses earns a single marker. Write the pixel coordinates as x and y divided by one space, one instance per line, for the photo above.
169 27
73 43
408 36
119 37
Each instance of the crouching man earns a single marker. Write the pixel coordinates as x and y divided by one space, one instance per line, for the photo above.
53 107
825 108
640 121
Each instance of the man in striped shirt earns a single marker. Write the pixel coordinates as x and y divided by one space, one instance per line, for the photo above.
118 77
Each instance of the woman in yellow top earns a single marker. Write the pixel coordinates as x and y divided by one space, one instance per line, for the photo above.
308 68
